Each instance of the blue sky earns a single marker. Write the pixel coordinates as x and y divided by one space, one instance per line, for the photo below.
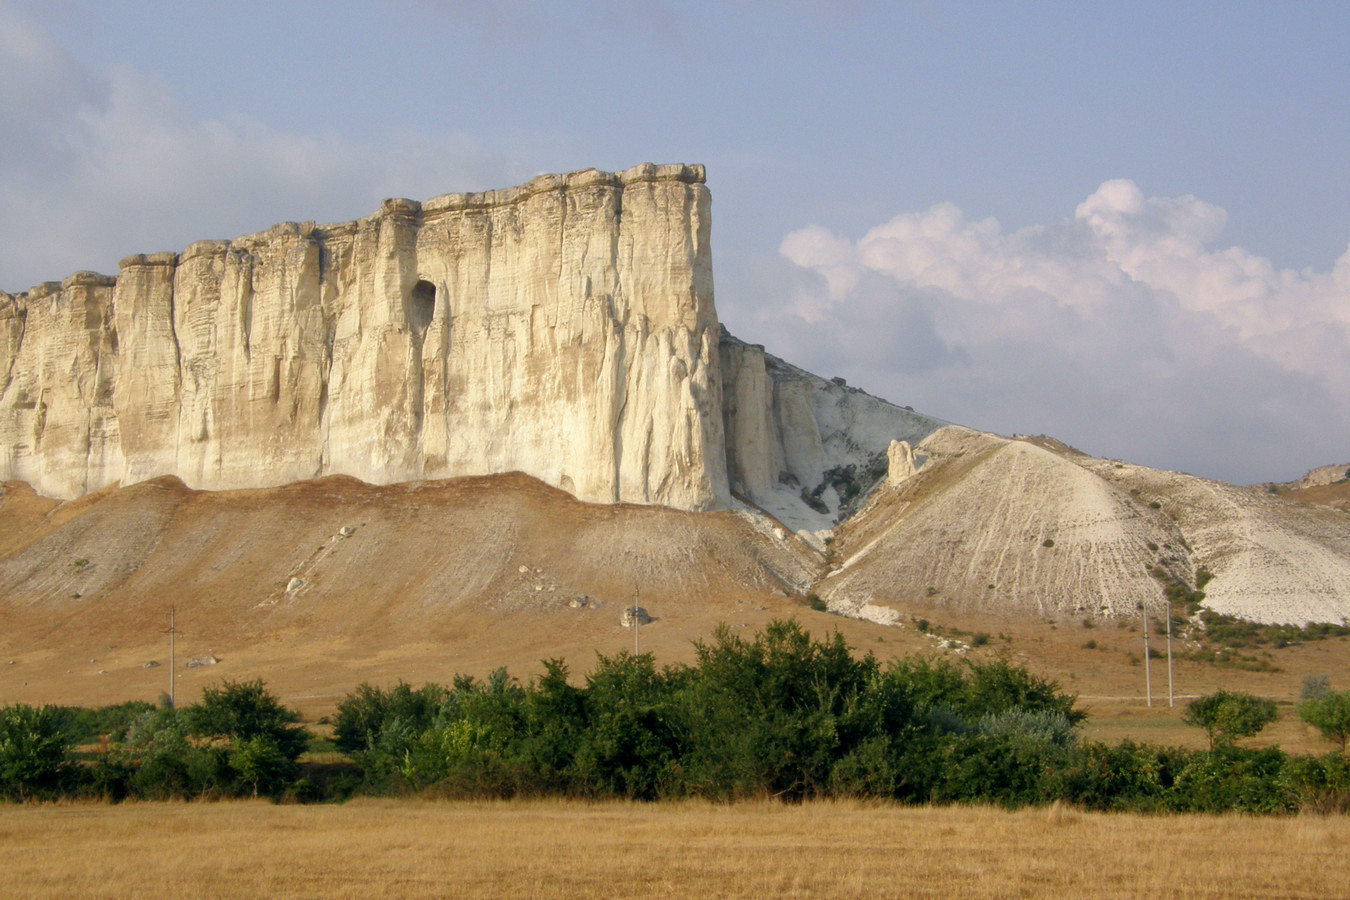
1123 224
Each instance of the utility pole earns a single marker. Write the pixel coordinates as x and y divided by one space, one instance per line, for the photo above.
172 632
1148 675
637 623
1171 698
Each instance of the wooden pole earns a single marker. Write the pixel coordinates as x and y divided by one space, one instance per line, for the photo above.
1148 675
172 632
1171 697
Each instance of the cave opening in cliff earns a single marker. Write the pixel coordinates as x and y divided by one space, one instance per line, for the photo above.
421 305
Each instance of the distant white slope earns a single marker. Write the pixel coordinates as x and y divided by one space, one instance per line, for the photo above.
1273 560
1010 525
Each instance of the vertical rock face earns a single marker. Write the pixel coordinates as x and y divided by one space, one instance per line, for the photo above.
564 329
58 364
804 448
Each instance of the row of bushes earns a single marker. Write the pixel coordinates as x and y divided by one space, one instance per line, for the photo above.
238 741
778 715
782 715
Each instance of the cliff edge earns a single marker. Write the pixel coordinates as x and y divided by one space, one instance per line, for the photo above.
564 328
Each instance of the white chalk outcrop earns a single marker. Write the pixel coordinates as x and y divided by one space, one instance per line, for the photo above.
564 329
997 524
1271 559
801 447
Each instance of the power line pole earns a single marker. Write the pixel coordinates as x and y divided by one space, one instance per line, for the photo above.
637 623
1171 698
1148 675
172 633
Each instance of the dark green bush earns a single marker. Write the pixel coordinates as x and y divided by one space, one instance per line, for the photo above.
1321 783
369 712
84 725
33 753
1235 779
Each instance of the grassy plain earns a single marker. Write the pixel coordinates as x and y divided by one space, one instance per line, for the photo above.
555 849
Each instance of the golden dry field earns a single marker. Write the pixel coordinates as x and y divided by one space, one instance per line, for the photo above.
555 849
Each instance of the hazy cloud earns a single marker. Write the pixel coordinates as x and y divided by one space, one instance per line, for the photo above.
100 165
1120 328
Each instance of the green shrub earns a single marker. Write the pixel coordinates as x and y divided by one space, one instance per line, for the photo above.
1227 716
83 725
162 763
1321 783
1329 713
33 753
369 716
1043 726
1235 779
1127 776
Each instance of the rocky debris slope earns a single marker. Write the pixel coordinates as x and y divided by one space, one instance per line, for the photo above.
564 329
1014 525
805 449
340 554
1272 559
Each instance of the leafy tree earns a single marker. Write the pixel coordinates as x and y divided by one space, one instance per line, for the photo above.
363 716
1329 714
244 727
972 689
261 764
33 752
772 714
1227 716
164 763
633 731
240 710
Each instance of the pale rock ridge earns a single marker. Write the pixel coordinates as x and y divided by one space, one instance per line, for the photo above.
989 522
1324 475
993 523
1272 559
564 328
794 440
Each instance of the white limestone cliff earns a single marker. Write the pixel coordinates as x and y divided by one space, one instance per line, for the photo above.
564 329
804 448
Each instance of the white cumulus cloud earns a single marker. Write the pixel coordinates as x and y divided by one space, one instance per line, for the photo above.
1126 328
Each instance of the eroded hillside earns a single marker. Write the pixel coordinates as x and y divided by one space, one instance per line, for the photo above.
1028 526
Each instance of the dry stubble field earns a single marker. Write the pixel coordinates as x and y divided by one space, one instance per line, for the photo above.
554 849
